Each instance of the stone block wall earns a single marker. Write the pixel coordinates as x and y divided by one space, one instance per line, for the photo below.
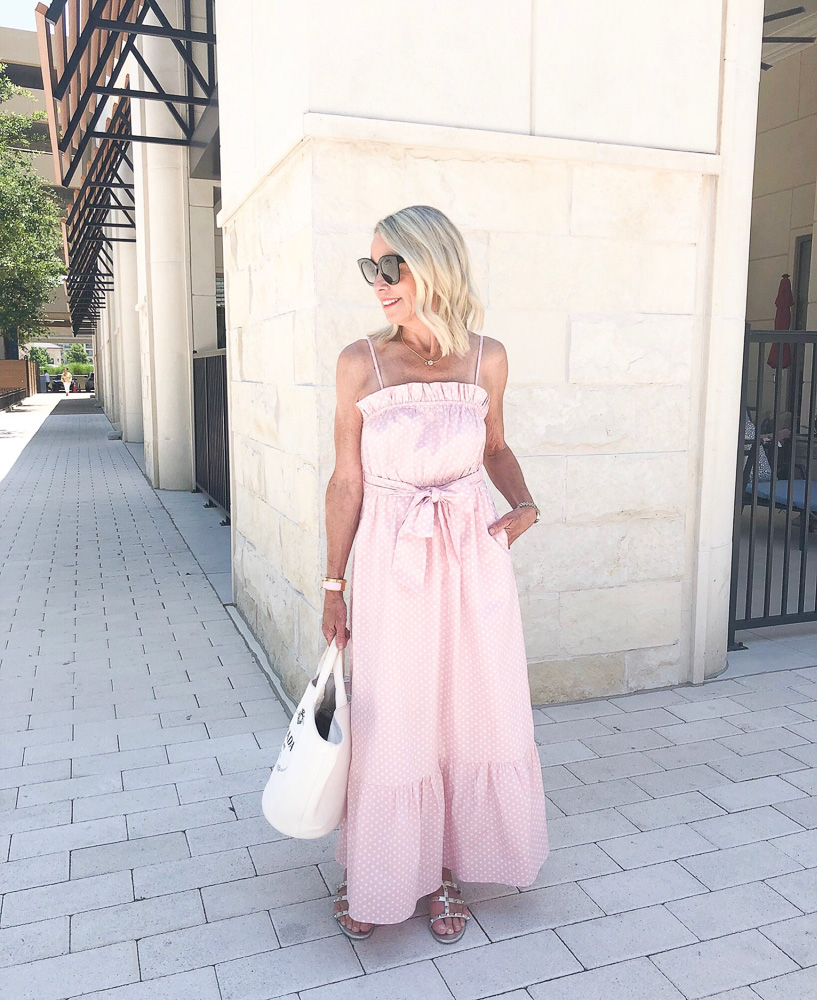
594 274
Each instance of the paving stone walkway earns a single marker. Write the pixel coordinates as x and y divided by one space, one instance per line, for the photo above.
137 731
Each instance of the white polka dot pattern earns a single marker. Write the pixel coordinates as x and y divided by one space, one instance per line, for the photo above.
444 768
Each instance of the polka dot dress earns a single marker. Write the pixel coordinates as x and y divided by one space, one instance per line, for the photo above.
444 768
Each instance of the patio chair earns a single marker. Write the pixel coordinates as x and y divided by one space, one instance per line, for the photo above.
783 487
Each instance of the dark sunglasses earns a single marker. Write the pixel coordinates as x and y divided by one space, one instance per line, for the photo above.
388 266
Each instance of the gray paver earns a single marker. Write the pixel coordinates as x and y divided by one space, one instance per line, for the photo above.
745 827
794 986
30 872
128 854
30 942
264 892
421 979
693 732
585 828
33 818
800 811
224 785
66 838
758 765
607 940
601 795
800 846
191 873
639 887
723 964
71 975
198 985
688 754
506 965
736 865
64 898
726 911
131 921
287 970
799 888
632 980
609 768
121 760
176 818
763 739
121 803
246 832
696 777
671 810
206 944
754 792
310 921
569 864
282 854
797 937
534 910
804 780
655 846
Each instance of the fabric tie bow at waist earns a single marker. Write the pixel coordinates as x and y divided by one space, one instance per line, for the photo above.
409 564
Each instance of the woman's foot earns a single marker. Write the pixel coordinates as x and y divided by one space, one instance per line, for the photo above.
453 925
341 914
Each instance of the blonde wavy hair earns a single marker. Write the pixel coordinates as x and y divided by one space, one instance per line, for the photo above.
438 258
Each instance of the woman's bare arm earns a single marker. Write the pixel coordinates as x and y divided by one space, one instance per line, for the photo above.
500 462
344 492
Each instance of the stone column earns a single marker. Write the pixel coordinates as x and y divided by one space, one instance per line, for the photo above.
163 278
113 356
127 323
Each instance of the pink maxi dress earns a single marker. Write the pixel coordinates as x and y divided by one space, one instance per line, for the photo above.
444 771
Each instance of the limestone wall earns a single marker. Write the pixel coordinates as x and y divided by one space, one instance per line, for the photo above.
592 273
610 247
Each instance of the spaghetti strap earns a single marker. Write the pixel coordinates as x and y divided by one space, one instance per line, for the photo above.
479 359
374 359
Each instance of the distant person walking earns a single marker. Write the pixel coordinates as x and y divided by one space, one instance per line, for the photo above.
67 379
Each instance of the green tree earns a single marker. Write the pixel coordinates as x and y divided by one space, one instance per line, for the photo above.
76 353
40 355
30 237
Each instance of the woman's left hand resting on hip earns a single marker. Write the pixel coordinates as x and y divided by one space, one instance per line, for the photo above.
515 523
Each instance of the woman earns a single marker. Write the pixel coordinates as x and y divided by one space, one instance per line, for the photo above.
67 378
445 775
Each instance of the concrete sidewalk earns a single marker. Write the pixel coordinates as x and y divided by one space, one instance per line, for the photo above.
138 730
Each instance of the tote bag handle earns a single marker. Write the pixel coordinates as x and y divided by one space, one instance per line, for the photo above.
331 662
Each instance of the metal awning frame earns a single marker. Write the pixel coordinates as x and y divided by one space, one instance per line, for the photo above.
83 51
103 202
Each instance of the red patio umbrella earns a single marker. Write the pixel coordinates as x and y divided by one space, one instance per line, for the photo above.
782 321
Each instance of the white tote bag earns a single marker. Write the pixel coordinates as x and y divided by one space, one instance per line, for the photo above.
306 792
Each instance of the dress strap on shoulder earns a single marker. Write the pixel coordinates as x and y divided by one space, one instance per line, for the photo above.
374 360
479 360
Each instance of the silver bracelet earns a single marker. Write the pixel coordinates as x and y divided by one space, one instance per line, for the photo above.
528 503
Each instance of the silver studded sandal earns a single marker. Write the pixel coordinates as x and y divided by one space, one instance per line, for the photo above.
342 898
445 898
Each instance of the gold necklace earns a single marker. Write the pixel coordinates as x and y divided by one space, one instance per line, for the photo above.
425 361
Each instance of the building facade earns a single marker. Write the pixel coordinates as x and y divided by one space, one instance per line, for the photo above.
599 160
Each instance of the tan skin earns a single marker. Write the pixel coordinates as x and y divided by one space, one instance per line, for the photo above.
356 378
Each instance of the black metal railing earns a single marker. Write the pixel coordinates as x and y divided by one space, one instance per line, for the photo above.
210 427
11 397
774 542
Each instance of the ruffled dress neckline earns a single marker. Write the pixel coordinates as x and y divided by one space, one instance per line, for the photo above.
423 392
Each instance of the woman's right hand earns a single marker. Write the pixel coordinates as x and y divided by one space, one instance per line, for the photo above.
333 625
